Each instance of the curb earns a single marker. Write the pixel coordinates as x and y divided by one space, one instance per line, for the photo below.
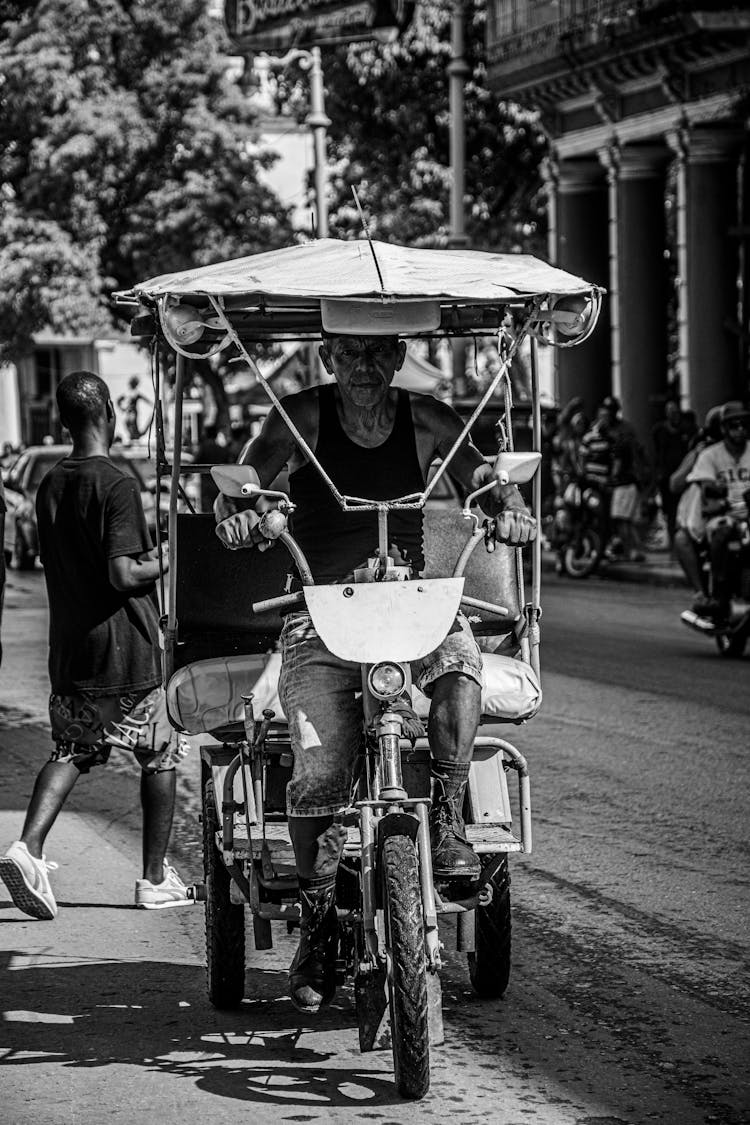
649 573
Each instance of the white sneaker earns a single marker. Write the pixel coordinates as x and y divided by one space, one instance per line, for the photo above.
157 896
26 879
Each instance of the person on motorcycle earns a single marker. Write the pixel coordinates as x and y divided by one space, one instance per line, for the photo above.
690 522
374 441
723 472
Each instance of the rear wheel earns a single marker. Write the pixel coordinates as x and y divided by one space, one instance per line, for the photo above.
489 965
225 920
581 557
407 983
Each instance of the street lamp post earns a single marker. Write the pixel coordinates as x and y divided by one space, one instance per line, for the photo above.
317 121
458 69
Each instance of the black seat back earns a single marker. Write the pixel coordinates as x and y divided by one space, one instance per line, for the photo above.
215 592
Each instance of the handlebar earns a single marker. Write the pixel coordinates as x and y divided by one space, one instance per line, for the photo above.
271 530
285 601
488 607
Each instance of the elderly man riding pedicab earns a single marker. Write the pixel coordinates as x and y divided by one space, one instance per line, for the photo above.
374 441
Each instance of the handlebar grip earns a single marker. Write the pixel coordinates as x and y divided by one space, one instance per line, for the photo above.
489 607
285 601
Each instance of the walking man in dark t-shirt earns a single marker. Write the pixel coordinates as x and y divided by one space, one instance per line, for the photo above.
100 569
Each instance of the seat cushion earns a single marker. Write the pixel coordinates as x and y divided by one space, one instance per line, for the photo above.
207 695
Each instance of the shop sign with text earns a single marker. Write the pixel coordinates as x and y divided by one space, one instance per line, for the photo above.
277 25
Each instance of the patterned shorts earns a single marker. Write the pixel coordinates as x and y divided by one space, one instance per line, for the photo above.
86 727
624 503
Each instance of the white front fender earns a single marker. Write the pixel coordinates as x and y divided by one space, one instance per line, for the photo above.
374 621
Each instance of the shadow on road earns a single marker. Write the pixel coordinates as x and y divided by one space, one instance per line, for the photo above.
74 1015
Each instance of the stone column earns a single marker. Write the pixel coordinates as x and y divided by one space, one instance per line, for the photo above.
638 281
707 195
581 221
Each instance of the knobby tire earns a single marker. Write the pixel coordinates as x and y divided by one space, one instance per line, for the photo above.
407 992
489 965
225 920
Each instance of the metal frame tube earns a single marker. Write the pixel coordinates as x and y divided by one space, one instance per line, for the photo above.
367 852
536 547
429 907
174 489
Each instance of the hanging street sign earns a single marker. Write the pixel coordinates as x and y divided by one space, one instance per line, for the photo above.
278 25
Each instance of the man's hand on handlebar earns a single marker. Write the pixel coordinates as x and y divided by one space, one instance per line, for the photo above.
240 530
515 526
251 528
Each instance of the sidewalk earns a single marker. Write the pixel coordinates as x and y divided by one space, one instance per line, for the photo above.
102 982
659 569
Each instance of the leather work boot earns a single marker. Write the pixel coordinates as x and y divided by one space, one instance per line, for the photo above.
312 973
453 858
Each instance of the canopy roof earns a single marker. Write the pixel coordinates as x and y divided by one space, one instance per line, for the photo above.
305 287
334 268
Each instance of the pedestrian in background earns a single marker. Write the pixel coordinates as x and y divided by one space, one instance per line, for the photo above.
670 442
100 570
629 477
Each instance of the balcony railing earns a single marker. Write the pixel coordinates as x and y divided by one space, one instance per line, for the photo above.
519 27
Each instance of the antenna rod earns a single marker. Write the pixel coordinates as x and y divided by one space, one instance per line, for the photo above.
367 235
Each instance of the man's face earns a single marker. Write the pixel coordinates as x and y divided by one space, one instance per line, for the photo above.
364 366
735 434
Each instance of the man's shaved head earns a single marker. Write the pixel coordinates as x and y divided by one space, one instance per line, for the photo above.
82 399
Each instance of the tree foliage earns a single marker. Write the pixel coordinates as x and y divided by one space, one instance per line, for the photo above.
125 152
389 110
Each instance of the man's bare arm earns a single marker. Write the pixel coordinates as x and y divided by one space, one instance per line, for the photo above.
270 451
514 522
137 575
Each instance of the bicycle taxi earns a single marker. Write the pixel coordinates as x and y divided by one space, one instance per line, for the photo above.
222 624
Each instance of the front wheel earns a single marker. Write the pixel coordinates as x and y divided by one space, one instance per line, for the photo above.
407 977
489 964
225 920
581 557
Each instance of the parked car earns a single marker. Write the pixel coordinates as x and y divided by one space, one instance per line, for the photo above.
144 461
21 541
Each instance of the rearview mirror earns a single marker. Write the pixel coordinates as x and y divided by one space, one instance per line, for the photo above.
515 468
237 481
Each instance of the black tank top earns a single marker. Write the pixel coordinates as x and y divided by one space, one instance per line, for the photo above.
337 542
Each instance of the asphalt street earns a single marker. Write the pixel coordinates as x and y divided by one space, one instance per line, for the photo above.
628 998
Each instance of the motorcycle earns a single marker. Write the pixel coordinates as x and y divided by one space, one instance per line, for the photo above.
221 662
577 535
730 635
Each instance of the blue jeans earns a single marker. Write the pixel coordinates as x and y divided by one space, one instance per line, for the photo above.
322 702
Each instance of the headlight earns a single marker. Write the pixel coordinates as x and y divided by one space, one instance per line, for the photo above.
386 680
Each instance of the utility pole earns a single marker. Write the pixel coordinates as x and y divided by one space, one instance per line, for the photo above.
458 69
318 122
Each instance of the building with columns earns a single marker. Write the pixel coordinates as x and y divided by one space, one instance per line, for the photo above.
646 105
